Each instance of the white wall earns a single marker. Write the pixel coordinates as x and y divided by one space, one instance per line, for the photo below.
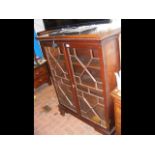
120 46
39 25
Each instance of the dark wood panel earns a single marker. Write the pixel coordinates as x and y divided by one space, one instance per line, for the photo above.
41 80
41 75
41 70
117 109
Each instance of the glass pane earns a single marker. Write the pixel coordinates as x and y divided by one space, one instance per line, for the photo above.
60 76
86 71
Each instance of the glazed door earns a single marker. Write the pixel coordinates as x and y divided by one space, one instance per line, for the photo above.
62 83
85 65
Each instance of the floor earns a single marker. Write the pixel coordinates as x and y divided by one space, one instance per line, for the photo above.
48 121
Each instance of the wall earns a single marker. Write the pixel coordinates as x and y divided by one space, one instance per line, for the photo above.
37 48
38 26
120 45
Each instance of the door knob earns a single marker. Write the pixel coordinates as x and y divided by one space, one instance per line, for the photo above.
67 45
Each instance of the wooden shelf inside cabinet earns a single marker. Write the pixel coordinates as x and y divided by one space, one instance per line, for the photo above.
93 64
116 94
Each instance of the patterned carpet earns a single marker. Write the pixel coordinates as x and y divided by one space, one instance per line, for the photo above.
48 121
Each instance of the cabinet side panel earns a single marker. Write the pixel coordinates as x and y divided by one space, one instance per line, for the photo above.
111 59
